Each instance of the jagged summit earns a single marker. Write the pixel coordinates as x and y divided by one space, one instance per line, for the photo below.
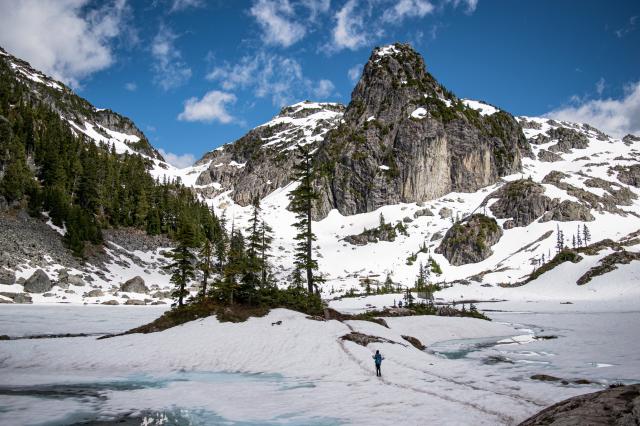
96 124
406 138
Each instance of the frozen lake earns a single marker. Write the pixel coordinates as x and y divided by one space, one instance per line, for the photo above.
29 320
198 374
598 346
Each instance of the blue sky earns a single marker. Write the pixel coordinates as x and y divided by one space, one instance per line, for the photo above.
194 74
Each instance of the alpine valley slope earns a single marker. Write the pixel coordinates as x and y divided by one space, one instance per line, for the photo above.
410 150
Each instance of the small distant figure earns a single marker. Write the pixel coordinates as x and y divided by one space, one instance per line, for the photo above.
377 358
400 304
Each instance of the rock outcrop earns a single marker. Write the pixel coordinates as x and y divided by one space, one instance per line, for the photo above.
39 282
405 138
521 200
548 156
629 174
470 241
568 211
568 139
618 406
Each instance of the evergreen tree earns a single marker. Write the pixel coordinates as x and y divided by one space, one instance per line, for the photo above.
235 266
586 235
206 264
559 240
302 199
182 261
267 238
579 239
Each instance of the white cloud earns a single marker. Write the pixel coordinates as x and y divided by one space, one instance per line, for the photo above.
179 5
614 116
62 38
276 18
470 5
170 71
355 72
270 75
349 31
316 7
212 107
131 86
323 89
600 84
630 27
176 160
407 9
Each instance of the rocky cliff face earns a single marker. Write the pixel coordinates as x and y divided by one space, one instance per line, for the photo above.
261 161
101 125
406 138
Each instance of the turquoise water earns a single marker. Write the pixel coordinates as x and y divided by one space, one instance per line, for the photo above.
100 402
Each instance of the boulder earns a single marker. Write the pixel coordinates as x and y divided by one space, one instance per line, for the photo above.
23 298
422 212
76 280
135 285
94 293
7 277
470 241
548 156
110 302
445 212
618 406
134 302
39 282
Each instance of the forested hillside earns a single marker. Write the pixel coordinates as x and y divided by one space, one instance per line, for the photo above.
48 168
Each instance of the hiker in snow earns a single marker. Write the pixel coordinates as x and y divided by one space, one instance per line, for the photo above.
378 360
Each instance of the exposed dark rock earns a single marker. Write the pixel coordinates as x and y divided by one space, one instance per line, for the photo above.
422 212
470 241
548 156
39 282
436 236
7 277
568 139
134 302
629 174
384 232
94 293
18 297
568 211
262 160
111 302
522 200
608 264
608 202
415 342
445 212
545 378
364 339
619 406
134 285
630 139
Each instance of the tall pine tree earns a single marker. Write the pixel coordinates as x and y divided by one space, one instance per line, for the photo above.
302 199
182 261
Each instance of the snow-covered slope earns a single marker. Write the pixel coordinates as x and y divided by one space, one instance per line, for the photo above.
515 256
